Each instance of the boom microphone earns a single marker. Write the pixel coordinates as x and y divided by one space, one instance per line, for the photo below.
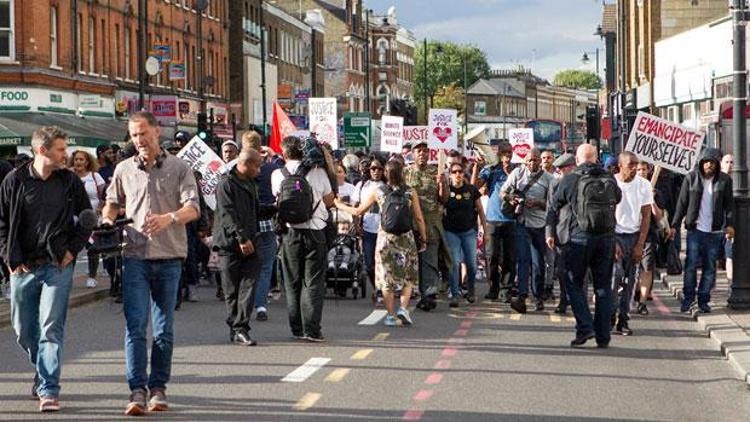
88 219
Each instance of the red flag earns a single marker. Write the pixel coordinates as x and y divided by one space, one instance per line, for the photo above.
282 127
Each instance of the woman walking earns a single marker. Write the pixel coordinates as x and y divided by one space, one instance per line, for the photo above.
371 219
85 167
395 253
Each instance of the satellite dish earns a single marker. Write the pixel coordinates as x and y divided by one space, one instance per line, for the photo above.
152 66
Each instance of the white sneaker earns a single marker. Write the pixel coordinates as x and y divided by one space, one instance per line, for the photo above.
404 316
90 283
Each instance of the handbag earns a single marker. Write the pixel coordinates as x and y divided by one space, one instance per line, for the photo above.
510 210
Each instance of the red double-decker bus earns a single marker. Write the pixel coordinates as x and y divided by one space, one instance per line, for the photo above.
548 134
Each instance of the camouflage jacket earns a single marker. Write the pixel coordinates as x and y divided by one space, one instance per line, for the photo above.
423 181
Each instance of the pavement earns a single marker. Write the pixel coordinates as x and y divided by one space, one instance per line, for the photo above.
474 363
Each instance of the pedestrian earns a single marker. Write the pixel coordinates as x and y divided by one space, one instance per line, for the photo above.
351 165
106 159
85 167
527 190
707 206
462 209
633 216
647 265
432 189
396 259
39 203
501 242
548 161
229 151
565 164
236 237
727 167
303 246
158 191
591 243
370 221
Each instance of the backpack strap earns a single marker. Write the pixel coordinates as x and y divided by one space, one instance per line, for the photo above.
285 172
531 183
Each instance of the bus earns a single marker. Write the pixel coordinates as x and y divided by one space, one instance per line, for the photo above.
548 134
719 133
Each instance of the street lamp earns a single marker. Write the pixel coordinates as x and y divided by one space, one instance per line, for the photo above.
585 59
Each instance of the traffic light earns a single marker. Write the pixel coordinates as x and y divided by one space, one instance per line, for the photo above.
593 130
203 132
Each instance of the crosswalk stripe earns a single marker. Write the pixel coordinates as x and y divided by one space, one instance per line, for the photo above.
306 370
361 354
337 374
515 317
381 336
307 401
570 319
374 317
554 318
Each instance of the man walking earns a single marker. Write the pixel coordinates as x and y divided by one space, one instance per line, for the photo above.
303 248
565 164
158 191
591 244
39 241
236 236
707 206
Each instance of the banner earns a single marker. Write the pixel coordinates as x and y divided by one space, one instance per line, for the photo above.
164 108
282 127
204 160
666 144
392 134
415 134
322 120
522 141
442 129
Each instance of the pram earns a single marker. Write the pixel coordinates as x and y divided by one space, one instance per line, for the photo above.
346 266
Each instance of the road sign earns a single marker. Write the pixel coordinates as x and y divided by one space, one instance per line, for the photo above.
357 132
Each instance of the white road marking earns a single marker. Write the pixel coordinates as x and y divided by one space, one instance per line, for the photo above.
305 371
374 317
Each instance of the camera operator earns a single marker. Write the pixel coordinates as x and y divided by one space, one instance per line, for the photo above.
39 240
158 191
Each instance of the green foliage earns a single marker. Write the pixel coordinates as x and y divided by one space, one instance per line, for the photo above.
580 79
445 67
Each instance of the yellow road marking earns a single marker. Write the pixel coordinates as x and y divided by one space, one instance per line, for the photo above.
307 401
570 319
381 336
515 317
337 374
554 318
361 354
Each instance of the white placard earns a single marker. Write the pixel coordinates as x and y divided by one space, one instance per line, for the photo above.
442 129
416 134
522 141
323 122
204 160
391 133
666 144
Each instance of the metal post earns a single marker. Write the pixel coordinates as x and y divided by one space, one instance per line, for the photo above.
367 61
740 294
199 59
314 66
597 62
466 99
142 48
622 15
426 85
74 37
263 71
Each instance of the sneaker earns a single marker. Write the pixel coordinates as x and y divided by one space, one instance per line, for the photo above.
243 339
561 310
685 307
137 404
35 387
454 302
623 329
49 404
539 306
704 309
298 336
90 283
158 400
390 321
519 305
315 338
404 316
191 296
261 315
642 309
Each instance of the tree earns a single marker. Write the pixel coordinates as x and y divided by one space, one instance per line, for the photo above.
450 96
580 79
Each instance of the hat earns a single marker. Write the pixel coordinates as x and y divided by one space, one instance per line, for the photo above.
101 148
611 162
417 144
565 160
169 145
230 142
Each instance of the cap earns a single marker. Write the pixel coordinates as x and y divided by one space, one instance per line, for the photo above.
182 136
169 145
230 142
611 162
101 148
417 144
565 160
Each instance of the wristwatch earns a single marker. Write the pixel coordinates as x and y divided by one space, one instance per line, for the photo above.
173 216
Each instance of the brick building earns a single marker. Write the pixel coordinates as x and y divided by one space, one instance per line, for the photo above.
76 59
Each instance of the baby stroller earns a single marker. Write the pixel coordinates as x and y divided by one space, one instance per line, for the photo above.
346 266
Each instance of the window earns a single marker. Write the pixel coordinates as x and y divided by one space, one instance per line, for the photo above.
92 34
480 108
127 53
7 43
104 47
117 51
53 36
79 45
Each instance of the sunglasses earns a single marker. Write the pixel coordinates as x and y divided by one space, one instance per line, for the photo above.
376 168
457 171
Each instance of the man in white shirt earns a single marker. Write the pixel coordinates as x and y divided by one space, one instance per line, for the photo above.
633 215
303 248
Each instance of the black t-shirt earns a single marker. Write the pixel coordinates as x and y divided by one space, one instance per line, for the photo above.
460 212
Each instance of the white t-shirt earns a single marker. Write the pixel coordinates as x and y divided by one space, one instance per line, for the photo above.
635 195
345 194
92 182
705 221
321 186
371 219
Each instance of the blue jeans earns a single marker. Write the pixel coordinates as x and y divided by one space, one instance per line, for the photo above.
597 254
531 250
369 240
627 242
39 306
149 287
267 255
462 244
701 248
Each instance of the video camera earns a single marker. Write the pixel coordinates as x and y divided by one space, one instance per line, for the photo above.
108 238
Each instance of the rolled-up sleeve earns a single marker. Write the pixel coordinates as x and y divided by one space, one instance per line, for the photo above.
188 189
115 191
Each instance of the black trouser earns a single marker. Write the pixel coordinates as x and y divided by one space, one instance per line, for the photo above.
303 263
238 276
501 250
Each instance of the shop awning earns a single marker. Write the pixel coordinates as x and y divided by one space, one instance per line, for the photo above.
16 129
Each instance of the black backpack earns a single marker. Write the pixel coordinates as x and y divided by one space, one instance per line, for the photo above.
395 215
295 201
597 198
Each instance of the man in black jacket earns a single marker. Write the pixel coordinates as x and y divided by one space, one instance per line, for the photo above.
707 205
39 241
235 234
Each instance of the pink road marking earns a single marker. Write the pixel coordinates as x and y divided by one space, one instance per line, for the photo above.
455 340
471 314
461 332
449 352
413 415
443 364
660 306
423 395
466 324
434 378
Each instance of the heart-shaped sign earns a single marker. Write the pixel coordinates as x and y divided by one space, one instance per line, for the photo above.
442 133
521 150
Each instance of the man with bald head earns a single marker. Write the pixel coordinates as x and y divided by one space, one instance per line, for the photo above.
592 195
235 234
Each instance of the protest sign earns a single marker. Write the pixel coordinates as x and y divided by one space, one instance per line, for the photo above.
666 144
322 119
204 160
521 141
442 129
392 134
416 134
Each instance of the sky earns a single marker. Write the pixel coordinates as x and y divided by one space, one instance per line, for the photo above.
544 35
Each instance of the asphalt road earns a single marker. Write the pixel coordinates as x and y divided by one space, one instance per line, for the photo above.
477 363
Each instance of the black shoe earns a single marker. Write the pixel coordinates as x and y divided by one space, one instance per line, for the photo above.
623 329
602 344
580 341
685 307
315 338
642 309
261 316
454 302
243 338
539 306
422 305
612 321
704 309
560 309
35 387
519 305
